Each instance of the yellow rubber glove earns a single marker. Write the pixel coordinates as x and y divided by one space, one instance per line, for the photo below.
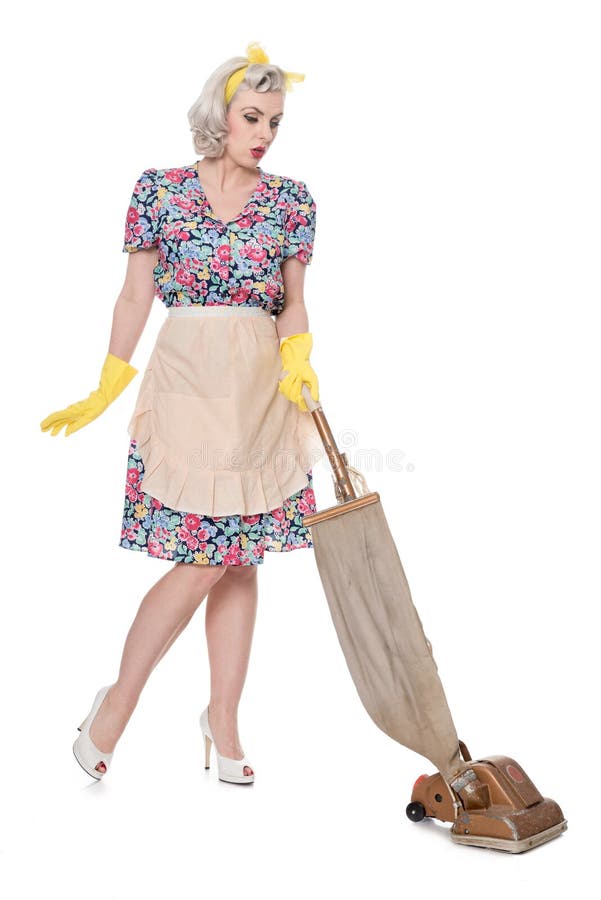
115 376
295 350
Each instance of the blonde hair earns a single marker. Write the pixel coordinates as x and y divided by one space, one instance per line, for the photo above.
207 115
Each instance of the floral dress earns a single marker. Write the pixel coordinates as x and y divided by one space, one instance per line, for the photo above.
203 260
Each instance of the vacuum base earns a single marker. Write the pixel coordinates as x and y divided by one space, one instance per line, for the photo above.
491 803
492 843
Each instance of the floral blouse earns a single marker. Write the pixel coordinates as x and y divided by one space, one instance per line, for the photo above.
203 260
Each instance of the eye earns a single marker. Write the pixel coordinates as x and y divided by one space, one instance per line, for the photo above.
254 119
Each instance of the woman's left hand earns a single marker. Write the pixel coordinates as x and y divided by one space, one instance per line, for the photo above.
295 350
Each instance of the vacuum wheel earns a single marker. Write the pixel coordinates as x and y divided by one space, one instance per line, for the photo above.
416 812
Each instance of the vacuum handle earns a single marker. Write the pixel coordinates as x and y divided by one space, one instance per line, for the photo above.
311 403
335 459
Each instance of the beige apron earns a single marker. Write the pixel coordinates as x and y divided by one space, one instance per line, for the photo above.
215 434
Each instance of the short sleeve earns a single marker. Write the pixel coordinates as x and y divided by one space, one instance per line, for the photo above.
142 219
299 229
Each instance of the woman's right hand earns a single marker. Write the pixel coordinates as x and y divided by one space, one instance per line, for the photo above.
115 376
129 317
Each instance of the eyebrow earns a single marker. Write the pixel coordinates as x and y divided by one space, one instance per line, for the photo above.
260 111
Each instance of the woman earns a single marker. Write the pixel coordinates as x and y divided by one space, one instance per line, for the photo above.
222 443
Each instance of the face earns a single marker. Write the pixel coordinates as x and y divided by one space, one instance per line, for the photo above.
253 119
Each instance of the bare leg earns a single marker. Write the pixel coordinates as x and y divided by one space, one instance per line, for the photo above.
163 614
183 624
229 624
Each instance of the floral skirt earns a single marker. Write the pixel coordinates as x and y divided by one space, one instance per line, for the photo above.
153 528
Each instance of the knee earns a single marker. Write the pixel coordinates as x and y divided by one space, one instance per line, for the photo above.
241 573
203 576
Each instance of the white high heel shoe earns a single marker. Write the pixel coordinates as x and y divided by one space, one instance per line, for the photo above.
86 752
231 770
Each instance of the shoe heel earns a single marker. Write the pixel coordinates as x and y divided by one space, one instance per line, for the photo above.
231 770
86 752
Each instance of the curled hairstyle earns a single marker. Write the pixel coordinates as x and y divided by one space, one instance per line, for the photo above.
207 116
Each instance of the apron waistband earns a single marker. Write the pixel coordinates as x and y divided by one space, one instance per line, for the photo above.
199 309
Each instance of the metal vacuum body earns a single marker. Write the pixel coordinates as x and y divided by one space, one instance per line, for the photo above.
491 804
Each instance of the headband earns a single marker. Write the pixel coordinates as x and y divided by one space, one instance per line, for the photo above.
255 54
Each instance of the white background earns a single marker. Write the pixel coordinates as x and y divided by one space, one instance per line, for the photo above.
453 151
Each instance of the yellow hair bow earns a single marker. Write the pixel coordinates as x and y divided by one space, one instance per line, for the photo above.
255 54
